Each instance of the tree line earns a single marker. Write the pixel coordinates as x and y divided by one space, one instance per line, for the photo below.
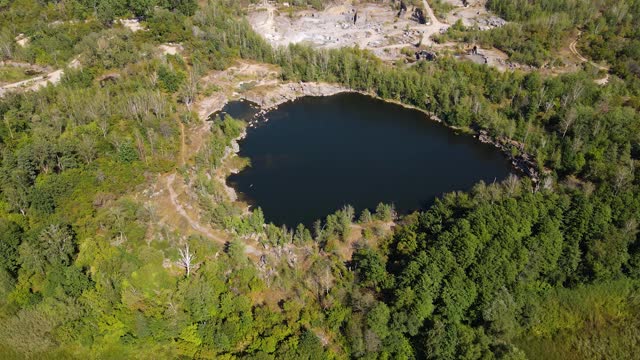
511 270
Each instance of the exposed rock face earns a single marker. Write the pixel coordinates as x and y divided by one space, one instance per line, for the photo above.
291 91
426 55
419 15
523 161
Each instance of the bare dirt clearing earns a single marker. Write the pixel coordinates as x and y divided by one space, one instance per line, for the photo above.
174 201
33 83
369 26
475 14
373 26
132 24
170 49
52 77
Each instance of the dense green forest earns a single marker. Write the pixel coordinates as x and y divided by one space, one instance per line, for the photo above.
537 29
517 270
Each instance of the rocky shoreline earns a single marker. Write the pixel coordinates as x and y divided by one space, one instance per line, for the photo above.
523 162
291 91
283 93
268 101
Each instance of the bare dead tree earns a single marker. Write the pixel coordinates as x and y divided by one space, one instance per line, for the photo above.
87 148
153 79
186 259
103 125
6 50
568 121
134 107
152 136
326 280
157 103
576 91
621 178
511 184
576 145
541 97
118 221
7 124
190 88
140 146
547 183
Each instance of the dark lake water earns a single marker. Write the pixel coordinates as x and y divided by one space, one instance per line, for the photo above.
316 154
242 109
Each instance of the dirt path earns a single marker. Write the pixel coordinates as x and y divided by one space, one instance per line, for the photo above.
268 26
195 224
434 27
432 15
41 81
34 83
575 52
171 196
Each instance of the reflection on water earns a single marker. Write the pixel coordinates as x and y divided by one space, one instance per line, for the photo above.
317 154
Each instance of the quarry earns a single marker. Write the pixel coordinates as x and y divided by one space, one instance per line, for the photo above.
385 28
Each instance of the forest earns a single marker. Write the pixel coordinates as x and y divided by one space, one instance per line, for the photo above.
538 29
522 269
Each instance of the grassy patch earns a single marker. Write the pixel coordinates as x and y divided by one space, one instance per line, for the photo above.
11 74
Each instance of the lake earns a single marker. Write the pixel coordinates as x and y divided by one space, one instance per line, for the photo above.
316 154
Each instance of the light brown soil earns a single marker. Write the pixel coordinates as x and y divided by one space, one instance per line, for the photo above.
377 27
170 49
574 50
33 83
132 24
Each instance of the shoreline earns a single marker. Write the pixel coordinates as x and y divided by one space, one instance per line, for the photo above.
523 162
287 92
268 101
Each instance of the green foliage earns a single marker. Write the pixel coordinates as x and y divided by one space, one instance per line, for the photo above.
186 7
127 152
226 35
109 49
543 26
167 26
584 323
370 268
485 262
11 235
310 347
384 212
514 270
170 80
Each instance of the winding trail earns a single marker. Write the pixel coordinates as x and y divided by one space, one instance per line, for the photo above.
40 81
34 83
574 50
195 224
181 211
